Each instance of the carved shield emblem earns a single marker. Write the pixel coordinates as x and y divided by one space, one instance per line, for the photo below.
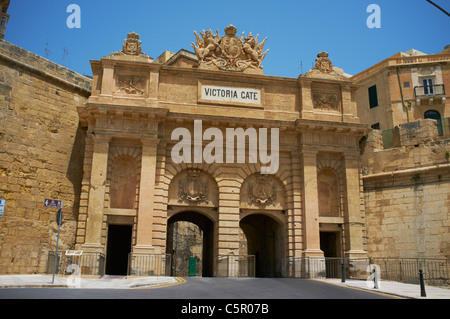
231 46
193 189
262 191
132 48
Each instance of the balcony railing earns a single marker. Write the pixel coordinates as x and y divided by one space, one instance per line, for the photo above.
429 90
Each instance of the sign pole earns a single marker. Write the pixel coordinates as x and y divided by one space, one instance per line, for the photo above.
58 220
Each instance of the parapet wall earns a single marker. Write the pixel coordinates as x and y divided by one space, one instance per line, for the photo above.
407 192
415 144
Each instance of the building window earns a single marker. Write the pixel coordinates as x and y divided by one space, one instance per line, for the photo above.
3 21
375 126
373 98
406 84
428 86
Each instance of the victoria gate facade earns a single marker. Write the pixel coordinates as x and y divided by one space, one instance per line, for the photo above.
165 143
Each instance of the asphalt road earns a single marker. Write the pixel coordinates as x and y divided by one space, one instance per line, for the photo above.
205 288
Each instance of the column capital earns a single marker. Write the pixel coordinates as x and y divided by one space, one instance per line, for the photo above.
149 141
310 153
101 138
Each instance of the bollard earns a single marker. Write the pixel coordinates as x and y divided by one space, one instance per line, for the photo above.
422 284
343 271
375 278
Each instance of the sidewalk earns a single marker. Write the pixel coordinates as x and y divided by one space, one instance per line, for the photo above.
106 282
394 288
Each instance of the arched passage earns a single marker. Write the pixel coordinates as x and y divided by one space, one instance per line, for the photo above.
190 239
435 115
264 241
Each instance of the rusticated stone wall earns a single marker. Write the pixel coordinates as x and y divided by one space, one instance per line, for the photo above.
41 156
407 193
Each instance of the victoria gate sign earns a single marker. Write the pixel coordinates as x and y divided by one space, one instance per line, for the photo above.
231 94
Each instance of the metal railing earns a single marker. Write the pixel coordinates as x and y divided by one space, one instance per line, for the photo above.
92 264
149 264
318 267
236 266
429 90
436 271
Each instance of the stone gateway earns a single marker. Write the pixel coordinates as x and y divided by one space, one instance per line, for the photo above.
250 211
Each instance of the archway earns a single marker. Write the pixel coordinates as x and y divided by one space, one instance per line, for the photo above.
435 115
190 235
264 241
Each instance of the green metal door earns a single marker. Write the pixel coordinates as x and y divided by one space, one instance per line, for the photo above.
192 266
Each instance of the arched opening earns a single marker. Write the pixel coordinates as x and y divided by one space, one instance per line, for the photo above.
190 242
264 241
435 115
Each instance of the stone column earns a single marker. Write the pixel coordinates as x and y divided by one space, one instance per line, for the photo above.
311 238
353 221
144 229
96 201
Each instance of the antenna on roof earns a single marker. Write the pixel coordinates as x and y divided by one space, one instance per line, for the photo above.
66 53
46 50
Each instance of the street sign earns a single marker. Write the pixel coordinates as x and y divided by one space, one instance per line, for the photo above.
53 203
74 252
2 207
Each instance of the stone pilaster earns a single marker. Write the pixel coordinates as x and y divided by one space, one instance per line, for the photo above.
94 220
311 238
144 231
353 221
307 111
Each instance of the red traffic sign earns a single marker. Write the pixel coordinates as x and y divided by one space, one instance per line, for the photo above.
53 203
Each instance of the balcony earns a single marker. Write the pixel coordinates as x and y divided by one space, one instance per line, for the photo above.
429 91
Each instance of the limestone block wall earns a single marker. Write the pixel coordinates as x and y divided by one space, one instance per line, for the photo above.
407 193
41 156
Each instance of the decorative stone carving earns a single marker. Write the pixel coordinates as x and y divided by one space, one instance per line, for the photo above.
131 46
323 63
229 53
324 68
262 191
194 188
326 101
131 85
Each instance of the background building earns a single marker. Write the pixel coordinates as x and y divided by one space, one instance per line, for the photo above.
406 154
405 87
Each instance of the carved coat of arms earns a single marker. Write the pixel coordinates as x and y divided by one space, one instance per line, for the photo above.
230 52
193 188
132 45
262 191
323 63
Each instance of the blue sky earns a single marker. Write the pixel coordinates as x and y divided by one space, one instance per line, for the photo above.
296 30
